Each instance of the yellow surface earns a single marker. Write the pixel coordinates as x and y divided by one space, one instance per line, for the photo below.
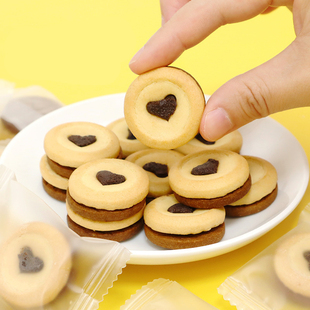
80 49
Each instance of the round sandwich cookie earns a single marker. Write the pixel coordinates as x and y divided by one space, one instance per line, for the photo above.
129 143
173 225
54 184
292 263
263 191
106 199
210 179
163 107
70 145
35 263
232 142
157 164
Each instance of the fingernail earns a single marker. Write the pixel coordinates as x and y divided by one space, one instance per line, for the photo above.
215 124
136 56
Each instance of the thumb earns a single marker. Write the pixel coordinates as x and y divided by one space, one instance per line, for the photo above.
281 83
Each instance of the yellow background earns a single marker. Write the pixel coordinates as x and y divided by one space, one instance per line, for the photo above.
81 49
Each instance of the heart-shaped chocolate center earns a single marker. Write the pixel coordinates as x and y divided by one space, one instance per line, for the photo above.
307 257
163 108
160 170
130 135
29 263
180 208
209 167
106 177
82 140
201 139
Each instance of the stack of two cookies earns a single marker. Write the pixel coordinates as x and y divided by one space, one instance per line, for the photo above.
106 199
70 145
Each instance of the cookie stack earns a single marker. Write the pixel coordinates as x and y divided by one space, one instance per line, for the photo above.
68 146
203 183
106 199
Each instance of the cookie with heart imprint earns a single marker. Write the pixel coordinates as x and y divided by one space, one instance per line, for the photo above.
35 264
292 262
157 164
106 199
210 179
173 225
163 107
232 141
263 191
69 145
129 143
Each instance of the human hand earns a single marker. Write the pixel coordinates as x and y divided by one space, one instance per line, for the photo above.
281 83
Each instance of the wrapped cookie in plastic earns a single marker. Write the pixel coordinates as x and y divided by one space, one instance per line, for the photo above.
21 106
165 294
43 264
279 277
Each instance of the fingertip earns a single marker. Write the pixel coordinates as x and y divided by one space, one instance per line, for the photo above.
215 124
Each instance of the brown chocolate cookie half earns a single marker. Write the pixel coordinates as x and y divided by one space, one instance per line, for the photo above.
174 242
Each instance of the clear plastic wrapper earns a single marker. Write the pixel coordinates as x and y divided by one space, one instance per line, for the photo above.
87 267
279 277
165 294
21 106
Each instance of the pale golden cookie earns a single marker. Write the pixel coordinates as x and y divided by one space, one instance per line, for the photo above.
35 263
157 164
70 145
129 143
157 217
210 179
173 225
100 190
263 190
163 107
232 142
292 261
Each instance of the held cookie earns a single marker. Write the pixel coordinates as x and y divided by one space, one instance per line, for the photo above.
35 264
157 164
210 179
232 142
291 263
106 198
163 108
129 143
263 190
172 225
70 145
54 184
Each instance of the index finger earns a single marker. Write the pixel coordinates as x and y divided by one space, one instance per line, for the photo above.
192 23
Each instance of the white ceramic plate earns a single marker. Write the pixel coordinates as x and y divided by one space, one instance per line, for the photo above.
263 138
